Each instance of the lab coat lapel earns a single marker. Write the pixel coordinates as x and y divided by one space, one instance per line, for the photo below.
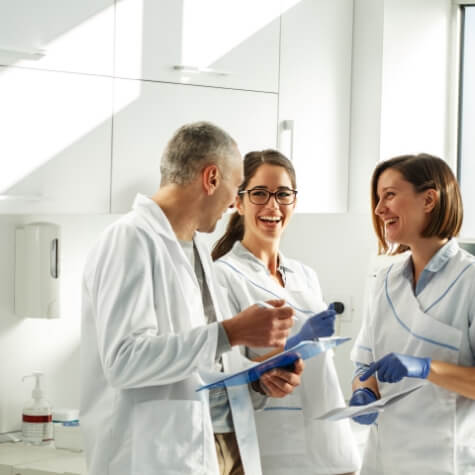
257 276
411 315
187 282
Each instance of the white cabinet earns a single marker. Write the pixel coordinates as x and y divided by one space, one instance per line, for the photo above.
62 35
315 88
236 63
56 140
233 43
155 110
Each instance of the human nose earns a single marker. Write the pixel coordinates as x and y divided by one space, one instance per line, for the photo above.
273 200
378 211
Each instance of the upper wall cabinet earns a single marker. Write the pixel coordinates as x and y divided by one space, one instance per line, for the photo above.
314 100
148 113
61 35
232 44
56 142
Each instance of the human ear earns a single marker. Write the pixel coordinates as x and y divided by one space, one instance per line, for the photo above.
210 179
431 198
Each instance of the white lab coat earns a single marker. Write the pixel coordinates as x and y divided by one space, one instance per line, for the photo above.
291 441
432 431
144 341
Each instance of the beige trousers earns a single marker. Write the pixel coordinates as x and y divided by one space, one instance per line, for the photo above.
227 451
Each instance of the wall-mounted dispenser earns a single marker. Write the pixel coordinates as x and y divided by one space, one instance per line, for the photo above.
37 270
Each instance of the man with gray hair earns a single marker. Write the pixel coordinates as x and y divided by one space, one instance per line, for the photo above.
155 325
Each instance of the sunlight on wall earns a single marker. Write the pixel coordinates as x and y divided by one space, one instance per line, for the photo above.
206 40
45 112
85 47
129 47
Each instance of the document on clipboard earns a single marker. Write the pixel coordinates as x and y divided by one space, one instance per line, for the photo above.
304 350
376 406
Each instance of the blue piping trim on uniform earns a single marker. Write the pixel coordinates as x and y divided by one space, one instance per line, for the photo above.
282 408
365 348
419 337
308 312
448 288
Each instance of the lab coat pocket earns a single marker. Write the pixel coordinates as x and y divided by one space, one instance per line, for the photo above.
169 437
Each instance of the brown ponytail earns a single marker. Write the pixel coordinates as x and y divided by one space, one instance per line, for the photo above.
234 232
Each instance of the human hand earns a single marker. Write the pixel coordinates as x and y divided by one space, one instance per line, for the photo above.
361 397
258 326
316 326
395 366
279 382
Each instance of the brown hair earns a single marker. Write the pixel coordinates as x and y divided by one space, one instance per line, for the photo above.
424 172
252 162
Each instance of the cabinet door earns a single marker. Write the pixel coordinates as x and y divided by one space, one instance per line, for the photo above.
56 139
62 35
315 88
143 128
232 43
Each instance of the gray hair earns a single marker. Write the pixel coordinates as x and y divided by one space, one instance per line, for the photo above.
192 147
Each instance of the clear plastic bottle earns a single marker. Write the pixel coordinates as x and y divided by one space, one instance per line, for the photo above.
37 426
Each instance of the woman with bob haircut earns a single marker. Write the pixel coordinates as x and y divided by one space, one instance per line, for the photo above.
250 266
419 327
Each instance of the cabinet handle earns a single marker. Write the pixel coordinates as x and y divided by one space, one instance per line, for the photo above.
286 138
31 54
54 259
198 70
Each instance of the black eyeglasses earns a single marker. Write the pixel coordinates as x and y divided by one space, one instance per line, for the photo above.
261 196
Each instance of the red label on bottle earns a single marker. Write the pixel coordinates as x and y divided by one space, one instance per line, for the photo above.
37 419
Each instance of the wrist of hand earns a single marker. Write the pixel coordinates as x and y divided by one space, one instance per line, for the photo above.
229 328
425 367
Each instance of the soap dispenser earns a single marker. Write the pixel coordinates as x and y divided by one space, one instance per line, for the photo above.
37 425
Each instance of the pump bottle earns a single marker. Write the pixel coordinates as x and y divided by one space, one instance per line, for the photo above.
37 426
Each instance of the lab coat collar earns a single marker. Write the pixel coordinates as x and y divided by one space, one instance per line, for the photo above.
437 261
241 252
154 215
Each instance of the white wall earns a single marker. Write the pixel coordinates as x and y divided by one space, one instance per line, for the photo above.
51 346
416 77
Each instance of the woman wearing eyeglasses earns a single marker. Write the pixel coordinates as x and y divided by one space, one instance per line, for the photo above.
251 268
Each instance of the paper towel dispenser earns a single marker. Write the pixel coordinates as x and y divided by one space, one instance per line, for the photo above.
37 270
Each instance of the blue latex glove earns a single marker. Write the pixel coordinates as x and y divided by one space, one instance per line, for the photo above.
361 397
394 366
320 324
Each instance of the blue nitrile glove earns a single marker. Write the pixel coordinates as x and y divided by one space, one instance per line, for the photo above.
394 366
320 324
361 397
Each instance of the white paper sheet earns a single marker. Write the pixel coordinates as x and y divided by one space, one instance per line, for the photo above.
376 406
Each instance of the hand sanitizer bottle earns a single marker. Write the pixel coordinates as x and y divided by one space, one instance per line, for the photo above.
37 427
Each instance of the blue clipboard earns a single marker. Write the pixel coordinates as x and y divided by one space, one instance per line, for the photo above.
304 350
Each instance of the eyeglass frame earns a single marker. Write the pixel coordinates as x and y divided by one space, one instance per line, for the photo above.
270 193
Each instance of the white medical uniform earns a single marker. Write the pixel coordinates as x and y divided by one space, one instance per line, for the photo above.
291 441
432 431
144 341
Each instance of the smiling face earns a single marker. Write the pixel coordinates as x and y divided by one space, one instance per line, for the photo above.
403 212
266 221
